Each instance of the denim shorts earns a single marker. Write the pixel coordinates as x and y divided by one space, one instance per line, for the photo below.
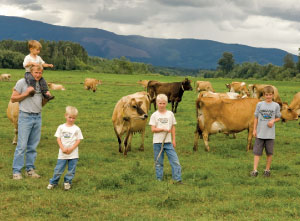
260 144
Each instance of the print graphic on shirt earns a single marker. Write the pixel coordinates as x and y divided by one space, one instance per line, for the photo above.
163 120
38 88
267 114
66 134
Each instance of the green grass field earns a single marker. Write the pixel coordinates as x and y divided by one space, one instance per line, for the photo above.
108 186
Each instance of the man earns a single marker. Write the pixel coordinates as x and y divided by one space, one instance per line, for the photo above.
29 124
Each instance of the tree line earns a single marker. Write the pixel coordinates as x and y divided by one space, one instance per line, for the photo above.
67 55
228 69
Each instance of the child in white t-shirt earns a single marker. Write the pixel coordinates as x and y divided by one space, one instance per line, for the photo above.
162 124
68 138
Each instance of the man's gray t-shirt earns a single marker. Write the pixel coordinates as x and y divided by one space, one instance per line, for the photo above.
29 104
266 112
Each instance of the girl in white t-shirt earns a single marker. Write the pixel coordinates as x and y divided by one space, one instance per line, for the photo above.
68 138
162 124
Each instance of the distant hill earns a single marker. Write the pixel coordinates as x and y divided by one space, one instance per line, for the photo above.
185 53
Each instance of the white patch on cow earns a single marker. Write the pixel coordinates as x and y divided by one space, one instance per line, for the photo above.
232 95
243 83
232 89
217 127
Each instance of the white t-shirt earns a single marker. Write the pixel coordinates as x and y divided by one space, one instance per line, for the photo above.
162 120
68 136
28 59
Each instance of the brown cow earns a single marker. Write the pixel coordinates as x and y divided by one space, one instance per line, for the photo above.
216 115
130 116
13 115
174 91
227 95
256 91
204 86
287 113
295 104
56 86
91 83
238 87
5 77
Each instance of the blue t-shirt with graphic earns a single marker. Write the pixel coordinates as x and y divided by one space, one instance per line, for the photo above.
265 112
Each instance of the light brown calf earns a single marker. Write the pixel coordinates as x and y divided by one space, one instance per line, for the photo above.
13 115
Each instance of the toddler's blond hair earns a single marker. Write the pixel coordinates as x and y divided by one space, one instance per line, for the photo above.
34 44
71 111
162 97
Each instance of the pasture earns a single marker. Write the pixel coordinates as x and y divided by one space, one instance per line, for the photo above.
108 186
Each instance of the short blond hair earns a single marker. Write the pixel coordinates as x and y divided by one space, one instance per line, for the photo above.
71 111
38 67
162 97
268 90
34 44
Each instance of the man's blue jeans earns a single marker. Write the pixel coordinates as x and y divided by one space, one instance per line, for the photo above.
29 134
173 159
60 168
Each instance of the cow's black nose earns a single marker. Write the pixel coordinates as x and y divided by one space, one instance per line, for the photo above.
145 116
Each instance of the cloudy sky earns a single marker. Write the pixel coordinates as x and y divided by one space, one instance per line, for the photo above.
258 23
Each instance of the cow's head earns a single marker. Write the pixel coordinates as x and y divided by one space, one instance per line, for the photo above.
134 110
99 82
287 113
228 86
186 85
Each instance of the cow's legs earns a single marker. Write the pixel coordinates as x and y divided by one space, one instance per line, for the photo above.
142 141
173 106
205 139
250 135
119 140
126 143
129 141
176 104
196 137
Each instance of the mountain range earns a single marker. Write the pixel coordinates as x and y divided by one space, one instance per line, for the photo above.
184 53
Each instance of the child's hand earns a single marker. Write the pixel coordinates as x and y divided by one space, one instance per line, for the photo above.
174 143
270 123
254 133
50 65
166 130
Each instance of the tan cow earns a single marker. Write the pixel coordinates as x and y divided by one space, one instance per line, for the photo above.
216 115
256 91
295 104
204 86
13 115
227 95
130 116
238 87
56 87
144 83
91 83
5 77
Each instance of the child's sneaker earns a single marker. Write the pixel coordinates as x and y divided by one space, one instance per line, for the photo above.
31 173
51 186
267 173
67 186
49 98
254 173
32 93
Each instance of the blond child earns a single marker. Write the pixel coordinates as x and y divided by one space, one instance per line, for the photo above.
162 124
266 114
33 59
68 138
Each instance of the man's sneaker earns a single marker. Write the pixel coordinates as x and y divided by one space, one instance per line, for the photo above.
254 173
178 182
17 176
51 186
32 174
67 186
267 173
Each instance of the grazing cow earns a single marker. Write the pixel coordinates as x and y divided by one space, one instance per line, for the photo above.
216 115
5 77
227 95
91 83
238 87
174 91
295 104
56 86
287 113
13 115
130 116
204 86
144 83
256 91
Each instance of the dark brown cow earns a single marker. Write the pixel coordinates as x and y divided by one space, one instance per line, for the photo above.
174 91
